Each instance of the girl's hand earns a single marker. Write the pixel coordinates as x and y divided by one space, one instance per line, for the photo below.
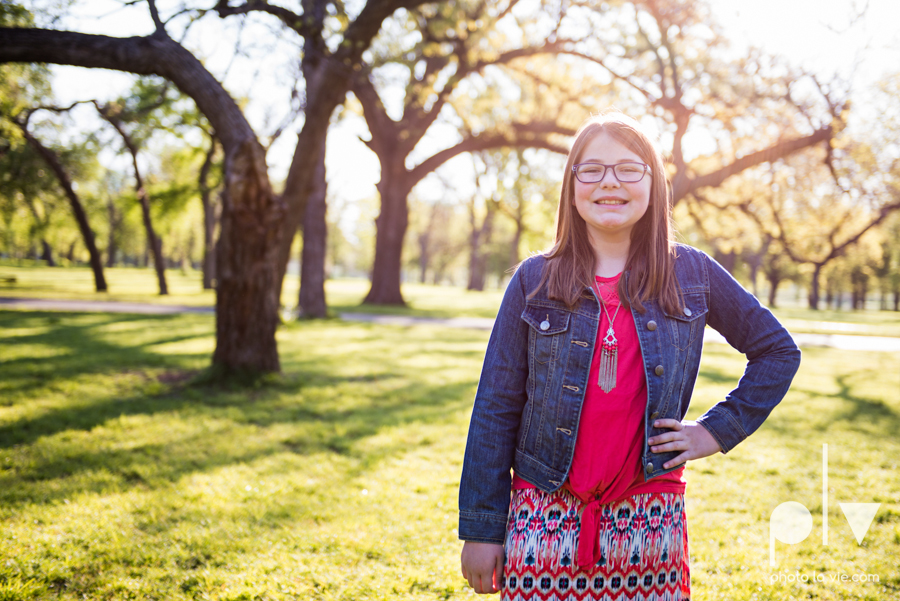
482 566
691 438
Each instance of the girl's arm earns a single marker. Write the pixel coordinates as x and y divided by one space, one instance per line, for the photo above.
772 358
486 481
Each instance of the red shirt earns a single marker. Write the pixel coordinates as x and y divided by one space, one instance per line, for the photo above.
606 466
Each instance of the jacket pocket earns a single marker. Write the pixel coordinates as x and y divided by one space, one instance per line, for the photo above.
683 328
548 326
547 332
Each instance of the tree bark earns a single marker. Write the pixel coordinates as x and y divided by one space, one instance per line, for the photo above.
390 227
424 254
114 220
814 287
246 268
209 219
87 234
327 81
246 305
774 281
315 242
47 254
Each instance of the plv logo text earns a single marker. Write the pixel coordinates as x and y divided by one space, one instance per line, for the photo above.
791 522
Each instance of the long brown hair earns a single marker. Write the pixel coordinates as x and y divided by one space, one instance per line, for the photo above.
570 261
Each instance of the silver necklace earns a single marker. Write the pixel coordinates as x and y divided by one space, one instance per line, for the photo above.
606 379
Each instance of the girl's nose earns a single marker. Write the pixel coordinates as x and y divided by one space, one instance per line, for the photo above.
609 179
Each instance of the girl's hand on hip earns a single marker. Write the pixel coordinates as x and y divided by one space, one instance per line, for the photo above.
482 566
693 440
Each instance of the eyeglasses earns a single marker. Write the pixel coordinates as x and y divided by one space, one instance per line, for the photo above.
627 173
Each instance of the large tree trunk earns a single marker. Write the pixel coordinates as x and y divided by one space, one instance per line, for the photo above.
391 227
326 87
87 234
315 231
814 288
209 219
246 305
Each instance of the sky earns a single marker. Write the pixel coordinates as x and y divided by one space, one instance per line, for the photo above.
825 36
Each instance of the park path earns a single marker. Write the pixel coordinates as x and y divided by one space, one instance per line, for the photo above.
91 306
839 341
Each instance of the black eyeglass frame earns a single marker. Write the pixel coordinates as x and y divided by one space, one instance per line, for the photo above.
615 175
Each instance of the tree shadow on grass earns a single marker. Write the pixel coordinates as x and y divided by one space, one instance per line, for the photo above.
84 446
96 463
83 349
863 410
865 415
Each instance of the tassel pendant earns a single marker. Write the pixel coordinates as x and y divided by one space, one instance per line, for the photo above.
606 379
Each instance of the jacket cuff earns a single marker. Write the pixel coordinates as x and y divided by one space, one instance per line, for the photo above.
723 427
482 528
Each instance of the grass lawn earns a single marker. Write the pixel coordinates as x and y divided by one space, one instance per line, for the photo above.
122 478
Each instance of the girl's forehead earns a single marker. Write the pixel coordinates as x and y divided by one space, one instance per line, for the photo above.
605 148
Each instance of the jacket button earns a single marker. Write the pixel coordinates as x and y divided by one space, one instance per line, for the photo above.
651 325
687 311
649 467
654 415
545 325
659 370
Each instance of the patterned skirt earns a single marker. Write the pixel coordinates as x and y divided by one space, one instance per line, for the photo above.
642 540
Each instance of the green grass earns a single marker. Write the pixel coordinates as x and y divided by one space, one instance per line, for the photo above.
122 477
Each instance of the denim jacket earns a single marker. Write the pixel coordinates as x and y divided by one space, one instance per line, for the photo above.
536 367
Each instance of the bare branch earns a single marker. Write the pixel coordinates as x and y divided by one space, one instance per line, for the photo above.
290 19
154 14
772 153
140 55
526 135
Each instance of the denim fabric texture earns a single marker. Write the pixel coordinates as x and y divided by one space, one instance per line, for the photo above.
536 369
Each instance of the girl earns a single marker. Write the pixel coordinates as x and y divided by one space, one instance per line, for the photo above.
586 401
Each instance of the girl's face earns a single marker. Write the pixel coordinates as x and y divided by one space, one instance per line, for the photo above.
609 207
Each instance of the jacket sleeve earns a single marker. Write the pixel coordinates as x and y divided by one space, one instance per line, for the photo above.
484 491
772 358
